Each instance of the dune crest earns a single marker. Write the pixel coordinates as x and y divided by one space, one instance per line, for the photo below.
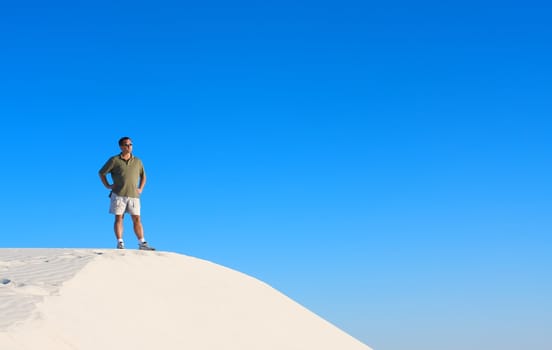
107 299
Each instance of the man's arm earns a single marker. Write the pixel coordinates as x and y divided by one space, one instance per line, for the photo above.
105 182
142 183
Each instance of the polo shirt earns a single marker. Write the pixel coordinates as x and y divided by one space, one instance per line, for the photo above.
125 174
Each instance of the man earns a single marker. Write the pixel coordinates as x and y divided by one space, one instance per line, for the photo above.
129 179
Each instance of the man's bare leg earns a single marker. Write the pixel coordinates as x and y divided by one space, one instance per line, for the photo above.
138 229
118 227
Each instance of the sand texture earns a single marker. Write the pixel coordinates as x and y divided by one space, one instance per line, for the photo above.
57 299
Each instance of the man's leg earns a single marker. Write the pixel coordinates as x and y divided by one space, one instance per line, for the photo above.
118 227
138 229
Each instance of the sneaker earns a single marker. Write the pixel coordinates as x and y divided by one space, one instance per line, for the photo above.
145 246
120 245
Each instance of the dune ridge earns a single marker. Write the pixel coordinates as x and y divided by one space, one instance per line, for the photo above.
103 299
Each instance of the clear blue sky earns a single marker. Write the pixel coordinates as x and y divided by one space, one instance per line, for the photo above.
387 166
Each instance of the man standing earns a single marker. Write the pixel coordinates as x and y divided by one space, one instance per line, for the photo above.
129 179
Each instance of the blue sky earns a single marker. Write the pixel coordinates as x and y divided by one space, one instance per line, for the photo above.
385 165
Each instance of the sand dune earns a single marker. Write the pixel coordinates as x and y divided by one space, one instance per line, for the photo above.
57 299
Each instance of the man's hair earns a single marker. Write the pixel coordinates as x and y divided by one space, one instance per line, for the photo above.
123 139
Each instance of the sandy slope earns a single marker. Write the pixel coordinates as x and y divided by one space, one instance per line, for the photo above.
107 299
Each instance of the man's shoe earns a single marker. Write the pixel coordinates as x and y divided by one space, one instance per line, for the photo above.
120 245
145 246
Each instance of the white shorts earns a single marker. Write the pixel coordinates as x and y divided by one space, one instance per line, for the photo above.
120 205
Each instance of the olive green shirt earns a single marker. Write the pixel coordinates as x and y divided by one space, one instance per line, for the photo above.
125 174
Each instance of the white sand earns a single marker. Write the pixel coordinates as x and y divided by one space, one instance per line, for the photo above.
57 299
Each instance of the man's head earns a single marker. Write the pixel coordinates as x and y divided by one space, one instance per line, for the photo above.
124 140
126 144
